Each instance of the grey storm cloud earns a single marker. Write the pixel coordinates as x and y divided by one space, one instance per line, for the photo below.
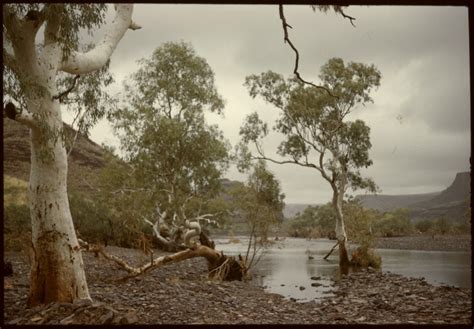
420 118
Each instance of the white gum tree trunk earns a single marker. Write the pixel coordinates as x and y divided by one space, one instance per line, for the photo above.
57 272
57 268
338 198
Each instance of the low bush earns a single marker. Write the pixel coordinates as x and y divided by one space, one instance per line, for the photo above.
365 257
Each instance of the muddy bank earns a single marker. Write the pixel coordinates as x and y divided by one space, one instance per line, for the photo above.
182 294
426 242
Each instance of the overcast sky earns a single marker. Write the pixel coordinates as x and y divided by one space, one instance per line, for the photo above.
420 119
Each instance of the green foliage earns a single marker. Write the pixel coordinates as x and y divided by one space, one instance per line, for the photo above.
364 256
92 220
14 191
260 203
319 221
88 100
394 223
314 222
260 200
16 215
314 124
442 226
424 226
72 19
163 132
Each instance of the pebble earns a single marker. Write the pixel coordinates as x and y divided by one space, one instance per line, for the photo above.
360 298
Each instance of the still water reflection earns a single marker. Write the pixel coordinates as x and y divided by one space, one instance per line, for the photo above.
287 268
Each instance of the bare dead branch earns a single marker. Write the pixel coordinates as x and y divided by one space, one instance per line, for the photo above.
330 252
211 255
22 116
350 18
286 38
67 91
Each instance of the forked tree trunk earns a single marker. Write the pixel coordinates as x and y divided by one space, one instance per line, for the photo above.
57 269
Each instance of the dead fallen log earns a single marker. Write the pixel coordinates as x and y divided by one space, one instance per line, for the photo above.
220 266
330 252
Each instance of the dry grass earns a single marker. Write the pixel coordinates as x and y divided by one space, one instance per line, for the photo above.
15 191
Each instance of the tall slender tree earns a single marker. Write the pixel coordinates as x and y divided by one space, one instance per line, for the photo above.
315 127
32 65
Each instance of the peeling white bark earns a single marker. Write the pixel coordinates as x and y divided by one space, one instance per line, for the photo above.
156 226
81 63
194 230
57 269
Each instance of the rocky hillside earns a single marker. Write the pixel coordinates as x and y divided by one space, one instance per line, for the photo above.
85 159
451 203
292 209
383 202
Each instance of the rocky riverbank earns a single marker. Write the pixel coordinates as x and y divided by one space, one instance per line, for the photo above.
426 242
182 294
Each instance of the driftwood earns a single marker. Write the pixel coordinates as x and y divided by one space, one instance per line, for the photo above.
330 252
220 266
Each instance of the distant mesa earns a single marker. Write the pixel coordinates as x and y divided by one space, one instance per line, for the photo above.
89 157
451 203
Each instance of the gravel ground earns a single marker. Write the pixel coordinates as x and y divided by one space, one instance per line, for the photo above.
182 294
427 242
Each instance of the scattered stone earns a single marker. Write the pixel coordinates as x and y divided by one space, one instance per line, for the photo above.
365 297
315 278
7 268
302 288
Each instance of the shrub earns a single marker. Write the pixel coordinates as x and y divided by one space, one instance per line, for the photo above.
366 257
17 227
424 226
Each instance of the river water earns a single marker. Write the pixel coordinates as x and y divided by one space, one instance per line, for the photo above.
287 266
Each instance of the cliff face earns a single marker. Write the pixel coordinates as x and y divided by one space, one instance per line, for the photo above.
458 191
451 203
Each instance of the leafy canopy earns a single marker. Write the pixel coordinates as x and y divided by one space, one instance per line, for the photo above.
314 123
162 127
87 99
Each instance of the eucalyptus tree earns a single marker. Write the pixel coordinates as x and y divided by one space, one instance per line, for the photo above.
34 66
260 203
176 156
317 133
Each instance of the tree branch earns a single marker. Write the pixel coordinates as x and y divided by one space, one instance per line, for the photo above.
285 26
308 165
10 20
67 91
350 18
330 252
94 59
23 116
52 25
196 251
